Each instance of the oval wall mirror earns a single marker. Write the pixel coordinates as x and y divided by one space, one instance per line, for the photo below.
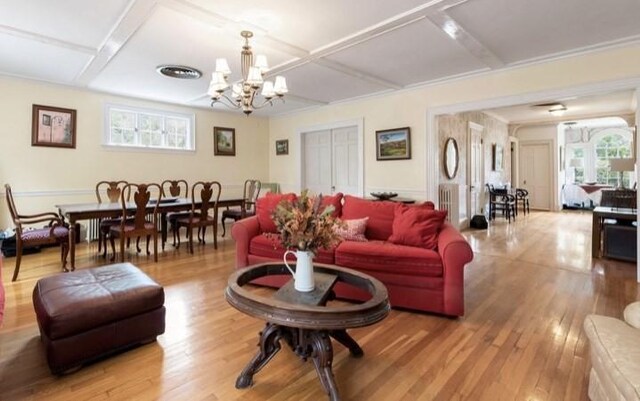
451 158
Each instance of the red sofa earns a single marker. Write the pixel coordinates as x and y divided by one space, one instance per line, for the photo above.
416 278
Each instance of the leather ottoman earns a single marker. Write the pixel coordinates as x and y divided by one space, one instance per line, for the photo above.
87 314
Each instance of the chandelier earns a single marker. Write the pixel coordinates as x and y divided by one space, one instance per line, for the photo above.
243 93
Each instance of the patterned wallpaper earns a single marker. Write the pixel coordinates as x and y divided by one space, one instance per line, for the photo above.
495 131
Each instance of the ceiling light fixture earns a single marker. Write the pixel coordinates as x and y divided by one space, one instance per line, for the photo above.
558 110
244 92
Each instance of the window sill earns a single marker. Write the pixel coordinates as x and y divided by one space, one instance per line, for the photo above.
142 149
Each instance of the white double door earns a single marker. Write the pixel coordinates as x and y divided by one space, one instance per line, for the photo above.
330 161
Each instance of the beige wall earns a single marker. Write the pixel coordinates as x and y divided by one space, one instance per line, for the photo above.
409 108
42 177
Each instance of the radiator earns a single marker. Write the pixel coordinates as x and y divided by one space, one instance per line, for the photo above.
93 230
452 198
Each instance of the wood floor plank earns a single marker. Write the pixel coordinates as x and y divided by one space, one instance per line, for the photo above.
527 292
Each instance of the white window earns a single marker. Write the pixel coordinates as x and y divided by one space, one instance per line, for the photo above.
153 129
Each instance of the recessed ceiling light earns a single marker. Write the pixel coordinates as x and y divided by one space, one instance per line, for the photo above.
558 110
178 71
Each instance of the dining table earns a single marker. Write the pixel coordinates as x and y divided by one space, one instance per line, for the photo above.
75 212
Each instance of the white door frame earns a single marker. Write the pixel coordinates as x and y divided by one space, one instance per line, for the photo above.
359 123
470 213
552 177
514 143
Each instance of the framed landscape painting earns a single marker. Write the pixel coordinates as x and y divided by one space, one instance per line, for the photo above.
224 141
393 144
282 147
53 127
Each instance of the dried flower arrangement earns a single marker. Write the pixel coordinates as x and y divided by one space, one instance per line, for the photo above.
305 225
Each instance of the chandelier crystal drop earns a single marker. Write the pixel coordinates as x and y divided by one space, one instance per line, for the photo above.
243 93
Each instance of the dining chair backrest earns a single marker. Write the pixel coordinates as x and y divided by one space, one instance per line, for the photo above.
111 191
12 206
142 194
251 193
175 188
209 195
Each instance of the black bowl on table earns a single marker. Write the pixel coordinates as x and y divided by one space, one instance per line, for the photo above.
384 195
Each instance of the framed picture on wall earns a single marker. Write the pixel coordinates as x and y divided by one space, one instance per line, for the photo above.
561 158
224 141
497 158
282 147
393 144
53 127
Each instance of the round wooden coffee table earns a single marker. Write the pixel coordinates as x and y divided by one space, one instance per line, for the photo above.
303 319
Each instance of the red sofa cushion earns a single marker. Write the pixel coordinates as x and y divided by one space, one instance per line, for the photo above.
335 201
260 245
266 205
390 258
417 226
379 226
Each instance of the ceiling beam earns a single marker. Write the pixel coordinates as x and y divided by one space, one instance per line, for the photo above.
463 38
130 21
46 40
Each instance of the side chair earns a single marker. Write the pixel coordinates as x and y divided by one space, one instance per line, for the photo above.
174 188
138 225
56 232
108 191
200 216
248 208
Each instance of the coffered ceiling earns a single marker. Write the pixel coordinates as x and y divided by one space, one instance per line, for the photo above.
329 50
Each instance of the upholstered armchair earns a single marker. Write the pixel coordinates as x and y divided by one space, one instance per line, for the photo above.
615 355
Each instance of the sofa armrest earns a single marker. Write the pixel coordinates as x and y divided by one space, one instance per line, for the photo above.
632 314
455 253
242 232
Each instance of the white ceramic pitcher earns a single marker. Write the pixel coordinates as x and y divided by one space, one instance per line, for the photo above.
303 276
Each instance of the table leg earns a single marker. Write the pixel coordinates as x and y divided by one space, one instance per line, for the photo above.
595 235
163 228
269 346
72 244
345 339
322 356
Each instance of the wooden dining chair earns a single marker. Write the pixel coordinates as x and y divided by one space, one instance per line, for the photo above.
522 197
174 188
55 232
108 191
139 225
500 200
248 208
204 212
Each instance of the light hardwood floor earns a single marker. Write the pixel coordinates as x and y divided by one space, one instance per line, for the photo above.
527 292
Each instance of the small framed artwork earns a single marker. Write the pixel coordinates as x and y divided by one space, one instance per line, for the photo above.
561 158
224 141
282 147
497 157
393 144
53 127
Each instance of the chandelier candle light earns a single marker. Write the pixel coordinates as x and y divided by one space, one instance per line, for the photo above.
244 92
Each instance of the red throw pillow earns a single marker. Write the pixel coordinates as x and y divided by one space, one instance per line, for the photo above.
335 201
380 214
266 205
353 230
417 226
